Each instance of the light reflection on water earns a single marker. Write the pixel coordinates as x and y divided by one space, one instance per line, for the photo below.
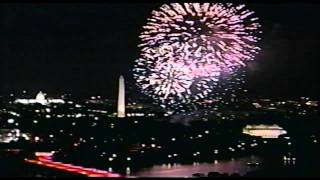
186 170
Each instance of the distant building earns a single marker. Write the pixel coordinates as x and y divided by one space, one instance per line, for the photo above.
9 135
41 99
12 135
312 103
264 131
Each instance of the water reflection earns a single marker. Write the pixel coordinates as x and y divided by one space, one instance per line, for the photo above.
186 170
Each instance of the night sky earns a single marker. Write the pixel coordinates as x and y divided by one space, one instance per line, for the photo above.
82 49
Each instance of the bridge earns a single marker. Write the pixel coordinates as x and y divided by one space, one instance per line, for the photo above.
45 159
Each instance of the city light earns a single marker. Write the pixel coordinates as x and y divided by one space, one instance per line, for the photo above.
264 131
10 121
160 90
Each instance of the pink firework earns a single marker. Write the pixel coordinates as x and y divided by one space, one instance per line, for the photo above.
191 45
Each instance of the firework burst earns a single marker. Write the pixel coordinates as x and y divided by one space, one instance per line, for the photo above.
185 48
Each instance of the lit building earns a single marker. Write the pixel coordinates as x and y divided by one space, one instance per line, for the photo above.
264 131
256 105
312 103
9 135
121 99
12 135
41 99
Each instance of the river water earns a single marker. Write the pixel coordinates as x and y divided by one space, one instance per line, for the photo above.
238 166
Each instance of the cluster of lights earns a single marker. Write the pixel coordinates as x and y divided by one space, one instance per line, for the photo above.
14 113
173 139
254 144
151 145
97 111
288 160
140 114
95 97
135 114
12 135
196 153
36 139
216 151
40 99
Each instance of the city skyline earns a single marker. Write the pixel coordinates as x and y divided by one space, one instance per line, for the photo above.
159 90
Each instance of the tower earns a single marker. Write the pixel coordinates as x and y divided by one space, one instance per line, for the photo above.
121 98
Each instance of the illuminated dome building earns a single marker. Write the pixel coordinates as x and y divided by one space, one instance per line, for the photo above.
264 131
41 99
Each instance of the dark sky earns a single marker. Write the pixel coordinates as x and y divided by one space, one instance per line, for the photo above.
83 48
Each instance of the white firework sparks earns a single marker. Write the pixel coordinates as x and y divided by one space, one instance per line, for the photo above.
186 47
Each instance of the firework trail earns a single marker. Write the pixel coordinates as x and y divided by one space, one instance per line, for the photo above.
186 48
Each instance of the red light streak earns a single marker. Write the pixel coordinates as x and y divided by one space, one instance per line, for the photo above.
45 159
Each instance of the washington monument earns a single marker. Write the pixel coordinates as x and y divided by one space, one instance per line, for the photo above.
121 98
